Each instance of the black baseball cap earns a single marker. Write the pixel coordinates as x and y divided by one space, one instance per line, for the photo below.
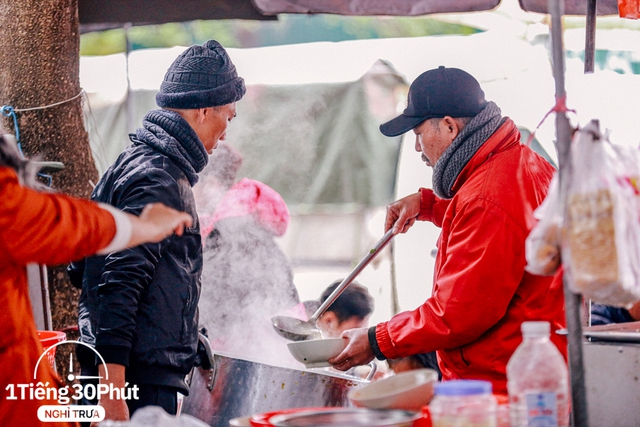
437 93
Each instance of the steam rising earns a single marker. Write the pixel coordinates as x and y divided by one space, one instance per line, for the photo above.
246 280
246 277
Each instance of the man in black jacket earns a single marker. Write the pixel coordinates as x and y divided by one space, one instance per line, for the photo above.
138 307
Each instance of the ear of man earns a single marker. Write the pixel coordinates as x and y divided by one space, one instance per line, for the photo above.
451 126
202 114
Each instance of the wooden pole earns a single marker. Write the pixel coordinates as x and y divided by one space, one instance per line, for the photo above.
563 146
40 79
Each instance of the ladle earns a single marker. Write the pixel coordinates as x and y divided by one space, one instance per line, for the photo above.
299 330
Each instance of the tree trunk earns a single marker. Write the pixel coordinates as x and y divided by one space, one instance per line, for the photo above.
39 66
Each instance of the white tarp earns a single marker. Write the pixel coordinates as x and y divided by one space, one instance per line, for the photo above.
514 73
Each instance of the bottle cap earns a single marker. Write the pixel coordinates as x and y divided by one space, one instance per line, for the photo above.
535 328
463 388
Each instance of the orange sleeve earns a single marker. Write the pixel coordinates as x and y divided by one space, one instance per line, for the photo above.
48 228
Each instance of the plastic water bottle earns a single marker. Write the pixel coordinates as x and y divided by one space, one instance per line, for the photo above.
463 403
537 380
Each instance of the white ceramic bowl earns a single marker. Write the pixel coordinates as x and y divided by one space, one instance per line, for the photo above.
315 353
240 422
410 390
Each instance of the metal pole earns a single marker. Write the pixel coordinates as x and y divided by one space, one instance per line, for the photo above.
590 37
129 104
395 303
572 301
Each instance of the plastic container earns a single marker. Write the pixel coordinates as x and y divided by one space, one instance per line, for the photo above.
425 418
467 403
537 380
502 413
48 339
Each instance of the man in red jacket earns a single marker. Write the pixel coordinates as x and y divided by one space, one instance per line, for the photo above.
486 185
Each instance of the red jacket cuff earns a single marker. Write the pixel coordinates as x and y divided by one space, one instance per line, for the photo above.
384 341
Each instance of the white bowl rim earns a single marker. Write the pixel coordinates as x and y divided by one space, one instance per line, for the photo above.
297 348
306 342
362 394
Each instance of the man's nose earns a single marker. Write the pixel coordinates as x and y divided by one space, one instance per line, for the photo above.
418 147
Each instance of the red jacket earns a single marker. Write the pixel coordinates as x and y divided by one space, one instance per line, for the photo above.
36 228
481 292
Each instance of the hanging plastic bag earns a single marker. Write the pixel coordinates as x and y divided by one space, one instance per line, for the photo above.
629 9
542 247
602 250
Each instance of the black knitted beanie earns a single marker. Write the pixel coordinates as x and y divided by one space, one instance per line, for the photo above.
202 76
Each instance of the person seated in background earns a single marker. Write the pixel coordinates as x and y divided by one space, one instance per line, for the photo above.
417 361
246 277
351 309
602 314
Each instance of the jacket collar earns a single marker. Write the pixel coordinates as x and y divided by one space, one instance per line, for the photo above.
169 133
505 137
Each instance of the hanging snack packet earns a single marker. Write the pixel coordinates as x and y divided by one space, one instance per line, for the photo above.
542 247
602 250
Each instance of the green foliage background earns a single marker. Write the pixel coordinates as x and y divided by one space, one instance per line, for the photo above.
288 29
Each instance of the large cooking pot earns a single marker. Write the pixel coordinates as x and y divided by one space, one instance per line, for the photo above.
225 387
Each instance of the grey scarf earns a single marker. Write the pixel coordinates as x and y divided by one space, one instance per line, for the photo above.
463 148
169 133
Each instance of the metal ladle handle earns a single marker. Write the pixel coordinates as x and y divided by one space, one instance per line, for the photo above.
347 281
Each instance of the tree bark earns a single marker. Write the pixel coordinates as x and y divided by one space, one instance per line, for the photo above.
39 67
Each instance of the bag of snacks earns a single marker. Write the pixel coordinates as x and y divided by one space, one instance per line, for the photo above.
542 247
601 252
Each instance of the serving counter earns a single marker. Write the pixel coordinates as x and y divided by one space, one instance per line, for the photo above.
612 374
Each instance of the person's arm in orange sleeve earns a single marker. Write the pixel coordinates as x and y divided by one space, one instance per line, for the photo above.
51 228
